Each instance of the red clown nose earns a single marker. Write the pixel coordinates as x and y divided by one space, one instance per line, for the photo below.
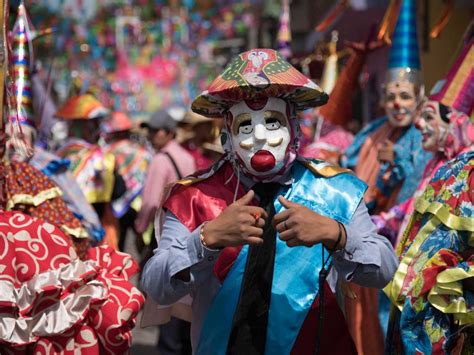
263 161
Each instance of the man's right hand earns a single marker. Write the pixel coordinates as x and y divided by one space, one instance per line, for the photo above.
238 224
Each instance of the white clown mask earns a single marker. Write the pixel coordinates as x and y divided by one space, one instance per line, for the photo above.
260 136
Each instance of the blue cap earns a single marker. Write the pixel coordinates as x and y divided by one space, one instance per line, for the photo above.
405 52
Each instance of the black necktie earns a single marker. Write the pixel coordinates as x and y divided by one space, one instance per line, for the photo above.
249 325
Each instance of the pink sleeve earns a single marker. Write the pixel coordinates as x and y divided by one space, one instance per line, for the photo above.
157 178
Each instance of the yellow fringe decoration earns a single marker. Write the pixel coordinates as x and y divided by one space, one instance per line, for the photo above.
26 199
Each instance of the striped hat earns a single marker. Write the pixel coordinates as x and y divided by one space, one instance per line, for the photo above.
404 60
457 89
22 35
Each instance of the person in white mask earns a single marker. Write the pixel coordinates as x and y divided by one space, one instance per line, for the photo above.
252 238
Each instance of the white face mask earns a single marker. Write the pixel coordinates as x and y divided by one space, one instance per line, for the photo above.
260 138
432 127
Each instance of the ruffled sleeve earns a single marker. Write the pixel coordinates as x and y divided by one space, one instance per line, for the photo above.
50 299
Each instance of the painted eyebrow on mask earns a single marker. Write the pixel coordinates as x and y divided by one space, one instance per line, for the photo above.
238 120
430 107
277 115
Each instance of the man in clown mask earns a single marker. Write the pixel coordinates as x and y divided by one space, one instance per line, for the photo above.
253 239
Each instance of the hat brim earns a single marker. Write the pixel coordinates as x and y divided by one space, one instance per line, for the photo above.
145 125
193 118
94 115
84 107
215 104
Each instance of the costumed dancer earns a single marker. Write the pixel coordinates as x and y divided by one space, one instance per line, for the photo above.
132 162
22 133
261 238
54 301
388 156
94 169
432 289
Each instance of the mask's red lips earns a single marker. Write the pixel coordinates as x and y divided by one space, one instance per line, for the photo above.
263 161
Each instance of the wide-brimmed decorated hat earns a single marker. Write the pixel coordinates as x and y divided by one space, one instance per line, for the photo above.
82 107
117 122
257 74
193 118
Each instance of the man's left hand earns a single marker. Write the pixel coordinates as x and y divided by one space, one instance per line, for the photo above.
298 225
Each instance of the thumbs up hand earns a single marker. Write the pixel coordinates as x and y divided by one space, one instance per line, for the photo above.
298 225
238 224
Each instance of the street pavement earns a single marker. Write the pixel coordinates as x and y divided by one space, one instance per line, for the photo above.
144 340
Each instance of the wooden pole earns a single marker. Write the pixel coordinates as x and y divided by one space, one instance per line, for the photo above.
3 73
3 47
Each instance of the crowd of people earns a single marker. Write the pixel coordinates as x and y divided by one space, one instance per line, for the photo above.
248 240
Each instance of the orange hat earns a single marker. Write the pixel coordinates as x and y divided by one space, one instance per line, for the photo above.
118 122
338 110
82 107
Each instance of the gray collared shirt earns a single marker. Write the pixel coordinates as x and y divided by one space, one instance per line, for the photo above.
368 260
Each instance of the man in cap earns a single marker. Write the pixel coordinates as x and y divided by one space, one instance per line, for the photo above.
170 163
252 238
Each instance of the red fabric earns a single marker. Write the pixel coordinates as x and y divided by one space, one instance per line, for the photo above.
338 110
41 277
445 259
118 264
225 261
204 200
335 338
362 318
